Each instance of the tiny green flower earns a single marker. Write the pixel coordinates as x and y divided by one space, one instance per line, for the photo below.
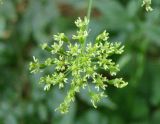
80 36
47 87
73 50
100 82
96 97
34 66
48 62
82 23
147 4
60 63
63 108
56 47
60 37
118 82
102 37
44 46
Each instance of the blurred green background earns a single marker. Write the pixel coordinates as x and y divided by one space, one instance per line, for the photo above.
25 24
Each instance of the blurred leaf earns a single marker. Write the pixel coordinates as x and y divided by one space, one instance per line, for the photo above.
132 8
112 12
124 60
140 109
155 98
42 112
10 119
2 27
92 117
156 117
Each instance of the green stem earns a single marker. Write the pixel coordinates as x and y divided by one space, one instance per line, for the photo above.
88 17
89 10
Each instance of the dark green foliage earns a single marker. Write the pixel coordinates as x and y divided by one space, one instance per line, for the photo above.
26 23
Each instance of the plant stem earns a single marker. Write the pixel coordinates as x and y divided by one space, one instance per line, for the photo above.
89 10
88 17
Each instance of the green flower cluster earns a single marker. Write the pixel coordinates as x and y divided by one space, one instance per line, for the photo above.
76 64
147 4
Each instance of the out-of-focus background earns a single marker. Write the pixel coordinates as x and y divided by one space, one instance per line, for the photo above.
25 24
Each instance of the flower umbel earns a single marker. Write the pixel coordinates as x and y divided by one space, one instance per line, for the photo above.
77 66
